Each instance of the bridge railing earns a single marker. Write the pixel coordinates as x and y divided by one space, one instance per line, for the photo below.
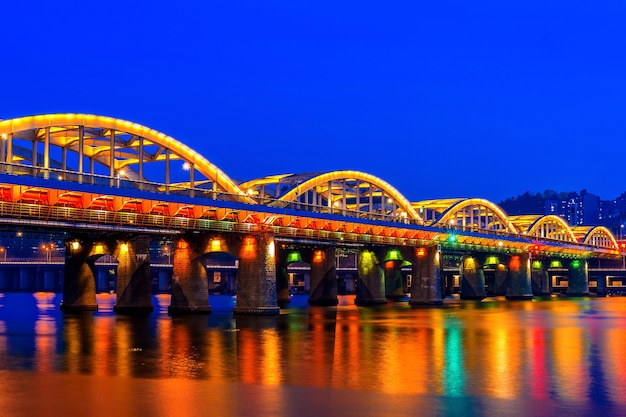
43 211
175 189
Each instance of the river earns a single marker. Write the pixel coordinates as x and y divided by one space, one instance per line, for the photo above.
545 357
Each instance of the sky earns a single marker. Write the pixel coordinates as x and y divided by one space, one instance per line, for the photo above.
440 99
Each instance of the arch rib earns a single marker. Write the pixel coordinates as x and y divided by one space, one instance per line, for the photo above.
137 131
459 205
323 179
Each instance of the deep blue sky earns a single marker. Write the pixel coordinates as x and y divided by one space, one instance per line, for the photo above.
440 99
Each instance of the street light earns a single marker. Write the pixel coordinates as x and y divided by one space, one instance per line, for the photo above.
48 248
3 251
166 249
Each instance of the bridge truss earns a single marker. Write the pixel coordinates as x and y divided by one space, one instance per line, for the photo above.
104 171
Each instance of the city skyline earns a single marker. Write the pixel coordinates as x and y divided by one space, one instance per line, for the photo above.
447 100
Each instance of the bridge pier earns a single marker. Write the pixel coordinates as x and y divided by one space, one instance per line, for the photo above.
256 276
79 285
190 288
283 296
426 287
518 283
134 289
392 268
601 284
472 279
578 281
370 289
540 280
324 277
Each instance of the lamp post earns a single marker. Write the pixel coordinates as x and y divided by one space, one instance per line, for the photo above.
47 248
166 249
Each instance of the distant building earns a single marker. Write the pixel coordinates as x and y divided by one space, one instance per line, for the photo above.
613 215
576 209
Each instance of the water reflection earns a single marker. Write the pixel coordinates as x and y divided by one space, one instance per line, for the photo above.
553 354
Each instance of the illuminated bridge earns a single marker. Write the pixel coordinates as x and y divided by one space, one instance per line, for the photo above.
111 187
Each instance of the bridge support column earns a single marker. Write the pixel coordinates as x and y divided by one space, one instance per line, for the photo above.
540 280
282 277
190 288
256 276
578 282
134 289
370 288
501 274
472 280
49 279
324 277
392 267
601 284
28 278
79 283
518 284
426 288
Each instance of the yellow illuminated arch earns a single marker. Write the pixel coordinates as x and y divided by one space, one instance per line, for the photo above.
459 205
202 165
531 225
596 236
323 179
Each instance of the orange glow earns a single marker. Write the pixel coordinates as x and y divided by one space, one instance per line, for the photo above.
216 245
249 247
515 263
318 256
182 244
123 247
421 252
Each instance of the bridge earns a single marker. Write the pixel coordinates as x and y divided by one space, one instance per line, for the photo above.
111 186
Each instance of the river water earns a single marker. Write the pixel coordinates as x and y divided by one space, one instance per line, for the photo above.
546 357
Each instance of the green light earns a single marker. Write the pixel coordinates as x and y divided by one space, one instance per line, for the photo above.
394 255
555 263
452 238
294 257
492 260
537 264
575 264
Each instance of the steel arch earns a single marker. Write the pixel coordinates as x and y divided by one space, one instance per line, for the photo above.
598 236
344 190
114 143
546 226
489 214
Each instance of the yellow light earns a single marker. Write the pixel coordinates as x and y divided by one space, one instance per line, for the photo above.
123 247
272 249
75 245
4 136
500 243
421 252
186 166
216 245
